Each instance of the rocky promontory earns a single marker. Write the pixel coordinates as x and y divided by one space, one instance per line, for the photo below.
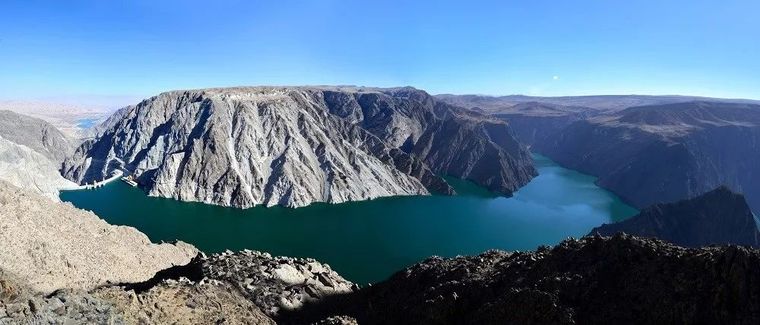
292 146
717 217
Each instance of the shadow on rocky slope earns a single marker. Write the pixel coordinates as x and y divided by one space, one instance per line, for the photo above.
594 280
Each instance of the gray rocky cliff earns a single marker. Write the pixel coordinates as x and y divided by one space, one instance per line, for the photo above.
31 151
292 146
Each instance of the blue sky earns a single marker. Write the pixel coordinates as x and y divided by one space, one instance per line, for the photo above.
540 47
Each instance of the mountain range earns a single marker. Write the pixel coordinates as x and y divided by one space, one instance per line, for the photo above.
672 148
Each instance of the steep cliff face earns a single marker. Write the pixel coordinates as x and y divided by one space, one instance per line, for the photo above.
297 145
31 151
666 153
594 280
449 139
717 217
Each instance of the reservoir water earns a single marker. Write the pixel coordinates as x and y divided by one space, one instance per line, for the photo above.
368 241
87 123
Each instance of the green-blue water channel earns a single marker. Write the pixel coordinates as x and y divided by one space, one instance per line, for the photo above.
368 241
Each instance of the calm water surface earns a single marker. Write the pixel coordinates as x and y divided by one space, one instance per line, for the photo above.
87 123
367 241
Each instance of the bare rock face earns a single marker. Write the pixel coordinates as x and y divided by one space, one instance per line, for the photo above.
451 140
49 246
718 217
31 151
293 146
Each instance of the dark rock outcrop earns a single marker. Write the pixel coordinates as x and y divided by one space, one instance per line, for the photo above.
594 280
717 217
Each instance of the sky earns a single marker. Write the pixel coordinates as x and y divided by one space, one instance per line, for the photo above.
99 49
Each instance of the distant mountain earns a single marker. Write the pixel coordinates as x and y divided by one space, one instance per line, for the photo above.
65 114
293 146
665 153
533 122
495 104
31 151
675 149
717 217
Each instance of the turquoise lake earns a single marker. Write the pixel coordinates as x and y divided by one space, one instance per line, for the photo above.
87 123
368 241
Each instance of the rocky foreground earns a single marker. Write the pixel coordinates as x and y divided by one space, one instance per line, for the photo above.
51 245
292 146
229 288
594 280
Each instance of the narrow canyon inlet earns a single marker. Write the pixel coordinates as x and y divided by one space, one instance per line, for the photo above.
368 241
